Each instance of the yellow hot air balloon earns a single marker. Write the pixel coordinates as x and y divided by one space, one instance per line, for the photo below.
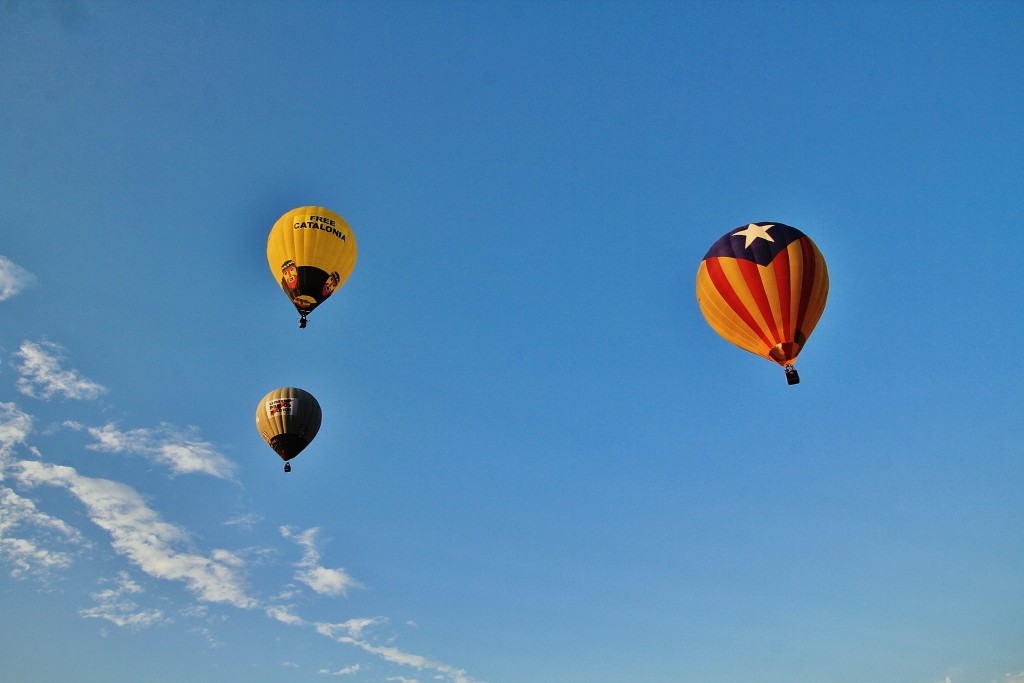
288 418
311 251
763 287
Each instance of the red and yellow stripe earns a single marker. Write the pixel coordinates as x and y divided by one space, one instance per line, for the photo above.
768 310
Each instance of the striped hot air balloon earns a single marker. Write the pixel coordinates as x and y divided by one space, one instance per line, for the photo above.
288 418
763 287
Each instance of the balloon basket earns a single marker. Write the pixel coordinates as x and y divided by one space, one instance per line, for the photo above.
791 375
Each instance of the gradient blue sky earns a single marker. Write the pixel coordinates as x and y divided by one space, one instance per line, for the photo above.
538 464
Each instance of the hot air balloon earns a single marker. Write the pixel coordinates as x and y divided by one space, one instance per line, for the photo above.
311 251
763 287
288 419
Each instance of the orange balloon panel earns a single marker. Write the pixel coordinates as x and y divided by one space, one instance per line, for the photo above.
763 287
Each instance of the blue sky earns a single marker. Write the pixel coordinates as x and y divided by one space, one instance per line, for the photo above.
538 463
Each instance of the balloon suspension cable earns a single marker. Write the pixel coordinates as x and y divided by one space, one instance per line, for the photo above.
287 467
302 321
791 375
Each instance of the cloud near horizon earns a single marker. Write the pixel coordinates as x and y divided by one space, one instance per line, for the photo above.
163 550
140 534
29 537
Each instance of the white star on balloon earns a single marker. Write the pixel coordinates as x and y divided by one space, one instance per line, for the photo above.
753 232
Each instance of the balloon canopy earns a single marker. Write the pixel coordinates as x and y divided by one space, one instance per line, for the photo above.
288 418
311 251
763 287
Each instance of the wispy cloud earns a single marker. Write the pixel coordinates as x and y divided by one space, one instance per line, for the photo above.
27 554
13 278
115 605
43 377
203 612
207 635
353 633
140 534
284 614
15 426
321 579
164 550
246 521
182 451
25 531
346 671
353 628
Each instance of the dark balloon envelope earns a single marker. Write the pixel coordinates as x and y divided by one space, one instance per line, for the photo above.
288 419
763 287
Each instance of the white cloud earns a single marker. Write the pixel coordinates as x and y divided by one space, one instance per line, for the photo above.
13 278
347 671
353 628
352 633
141 535
163 550
227 557
1014 678
115 606
26 555
182 452
196 611
43 377
284 615
19 516
207 636
246 521
203 613
15 426
327 581
321 579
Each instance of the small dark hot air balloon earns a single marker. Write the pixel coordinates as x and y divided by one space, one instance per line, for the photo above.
288 419
763 287
311 251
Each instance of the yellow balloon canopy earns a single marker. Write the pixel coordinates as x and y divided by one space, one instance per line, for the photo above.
311 251
763 287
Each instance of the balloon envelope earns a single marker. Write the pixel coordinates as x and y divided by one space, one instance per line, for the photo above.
763 287
288 418
311 251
